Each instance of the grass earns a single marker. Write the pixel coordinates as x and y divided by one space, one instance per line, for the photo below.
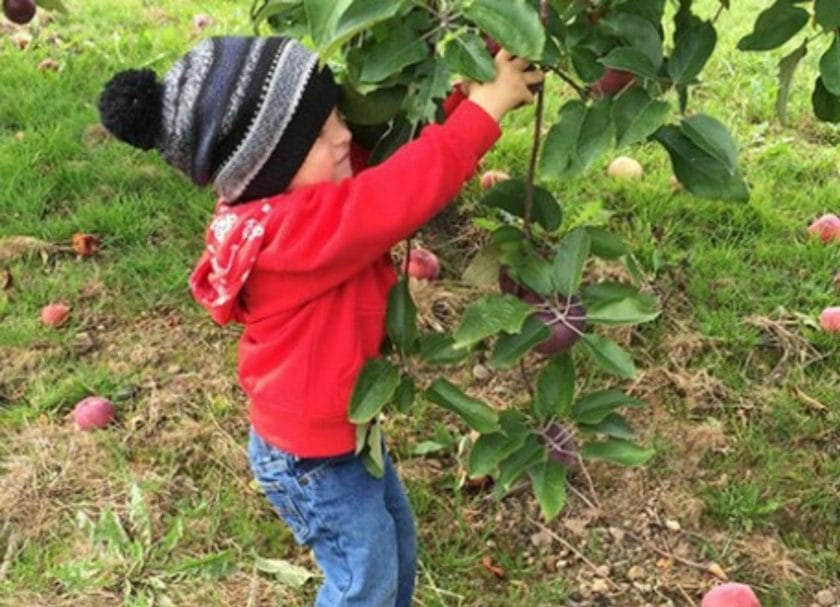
742 386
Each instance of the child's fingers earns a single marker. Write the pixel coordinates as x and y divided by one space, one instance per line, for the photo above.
520 63
534 77
502 56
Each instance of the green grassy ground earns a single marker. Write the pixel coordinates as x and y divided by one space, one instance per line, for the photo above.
743 388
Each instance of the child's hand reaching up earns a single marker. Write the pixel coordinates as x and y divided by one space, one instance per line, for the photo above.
510 87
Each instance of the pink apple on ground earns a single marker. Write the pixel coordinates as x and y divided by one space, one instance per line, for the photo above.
731 594
612 82
93 412
826 227
55 314
830 319
491 178
423 264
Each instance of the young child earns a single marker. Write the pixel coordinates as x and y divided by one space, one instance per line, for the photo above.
298 252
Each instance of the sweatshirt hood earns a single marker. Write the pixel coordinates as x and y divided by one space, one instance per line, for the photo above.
233 243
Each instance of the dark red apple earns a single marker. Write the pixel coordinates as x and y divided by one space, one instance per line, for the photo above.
612 82
493 47
566 323
560 444
19 11
423 264
509 286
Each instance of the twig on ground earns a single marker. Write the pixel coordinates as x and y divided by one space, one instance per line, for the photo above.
705 567
576 552
688 599
589 482
439 591
583 498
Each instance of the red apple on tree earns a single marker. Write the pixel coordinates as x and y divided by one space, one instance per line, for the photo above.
612 82
567 323
423 264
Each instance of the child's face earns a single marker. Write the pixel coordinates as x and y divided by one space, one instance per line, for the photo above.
329 157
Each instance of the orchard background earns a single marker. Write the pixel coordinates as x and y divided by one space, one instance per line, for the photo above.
740 384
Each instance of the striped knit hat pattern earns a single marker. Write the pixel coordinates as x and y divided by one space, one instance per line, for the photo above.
239 112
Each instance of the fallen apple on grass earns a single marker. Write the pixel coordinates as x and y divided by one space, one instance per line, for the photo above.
826 227
830 319
492 178
625 167
731 594
92 413
55 314
423 264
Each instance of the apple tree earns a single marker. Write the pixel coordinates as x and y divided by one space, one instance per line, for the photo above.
396 61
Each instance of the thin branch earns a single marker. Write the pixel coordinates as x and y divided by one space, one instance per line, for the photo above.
581 91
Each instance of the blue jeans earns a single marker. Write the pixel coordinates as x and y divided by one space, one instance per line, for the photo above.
360 528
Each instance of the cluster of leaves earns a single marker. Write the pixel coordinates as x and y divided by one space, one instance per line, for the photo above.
396 62
125 554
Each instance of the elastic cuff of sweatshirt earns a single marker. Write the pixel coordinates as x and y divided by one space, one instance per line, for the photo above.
476 124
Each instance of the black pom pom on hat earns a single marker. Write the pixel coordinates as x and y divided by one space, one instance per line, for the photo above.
130 107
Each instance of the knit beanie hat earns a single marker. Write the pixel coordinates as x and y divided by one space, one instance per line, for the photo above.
240 112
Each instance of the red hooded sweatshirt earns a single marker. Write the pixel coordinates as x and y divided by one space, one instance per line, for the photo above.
307 272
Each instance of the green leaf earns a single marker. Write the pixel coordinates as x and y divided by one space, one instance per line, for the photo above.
510 349
438 349
52 5
360 16
555 388
632 60
376 107
610 356
549 482
827 13
638 32
431 83
702 174
787 67
569 260
509 195
138 516
712 137
400 49
483 268
605 244
515 24
374 387
467 55
323 17
489 451
171 539
594 408
826 105
775 26
624 452
596 132
612 425
405 394
489 315
618 304
373 457
401 318
527 267
585 62
559 154
287 573
830 66
531 453
474 412
693 48
637 116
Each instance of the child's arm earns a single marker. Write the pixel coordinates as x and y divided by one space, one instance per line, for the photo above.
345 226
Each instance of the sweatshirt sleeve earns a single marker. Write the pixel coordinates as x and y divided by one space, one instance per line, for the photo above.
337 229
